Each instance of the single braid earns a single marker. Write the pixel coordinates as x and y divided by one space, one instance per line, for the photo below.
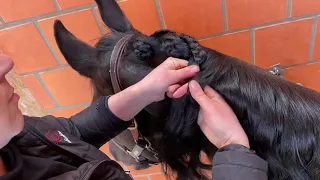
198 52
172 45
145 47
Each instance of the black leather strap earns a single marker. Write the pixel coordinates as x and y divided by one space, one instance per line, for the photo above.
136 149
115 62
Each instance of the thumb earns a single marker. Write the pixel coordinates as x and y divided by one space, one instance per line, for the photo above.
212 94
198 94
184 73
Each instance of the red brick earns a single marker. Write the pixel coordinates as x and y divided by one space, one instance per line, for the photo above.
286 43
13 10
308 75
64 4
196 18
105 149
302 7
67 112
158 177
141 178
38 91
204 158
67 86
236 45
245 13
142 14
27 48
316 50
81 23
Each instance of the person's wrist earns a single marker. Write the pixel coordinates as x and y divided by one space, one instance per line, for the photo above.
142 93
243 142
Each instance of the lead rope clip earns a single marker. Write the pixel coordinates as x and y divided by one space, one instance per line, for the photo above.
278 71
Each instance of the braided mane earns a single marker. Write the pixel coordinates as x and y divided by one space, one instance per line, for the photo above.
280 118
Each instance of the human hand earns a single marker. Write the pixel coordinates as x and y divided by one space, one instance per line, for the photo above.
170 76
216 119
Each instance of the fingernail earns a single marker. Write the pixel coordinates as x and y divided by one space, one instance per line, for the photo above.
195 69
193 84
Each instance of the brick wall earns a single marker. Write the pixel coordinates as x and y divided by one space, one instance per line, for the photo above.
262 32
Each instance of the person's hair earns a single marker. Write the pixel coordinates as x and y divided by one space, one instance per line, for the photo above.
280 118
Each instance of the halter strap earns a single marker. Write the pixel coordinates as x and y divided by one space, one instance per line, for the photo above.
141 143
116 55
115 62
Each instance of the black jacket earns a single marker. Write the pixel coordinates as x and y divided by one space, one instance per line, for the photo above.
60 148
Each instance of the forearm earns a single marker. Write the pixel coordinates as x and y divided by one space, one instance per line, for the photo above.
95 125
129 102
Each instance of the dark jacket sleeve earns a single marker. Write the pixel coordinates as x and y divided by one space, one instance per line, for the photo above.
238 162
95 125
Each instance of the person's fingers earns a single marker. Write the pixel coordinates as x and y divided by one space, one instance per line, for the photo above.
184 81
184 73
181 91
170 95
211 93
179 70
175 63
200 120
198 94
172 89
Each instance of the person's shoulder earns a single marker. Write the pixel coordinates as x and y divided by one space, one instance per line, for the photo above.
45 120
36 121
30 119
29 131
40 128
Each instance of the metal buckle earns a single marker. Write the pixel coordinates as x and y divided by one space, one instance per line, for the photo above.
139 147
136 151
150 148
276 70
148 145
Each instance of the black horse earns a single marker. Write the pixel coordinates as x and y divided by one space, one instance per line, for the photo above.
281 119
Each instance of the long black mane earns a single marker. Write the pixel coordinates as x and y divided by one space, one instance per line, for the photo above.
280 118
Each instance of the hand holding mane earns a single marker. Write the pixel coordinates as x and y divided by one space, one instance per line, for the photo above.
168 77
216 119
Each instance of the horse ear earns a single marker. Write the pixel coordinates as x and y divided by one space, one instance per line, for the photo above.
79 55
113 16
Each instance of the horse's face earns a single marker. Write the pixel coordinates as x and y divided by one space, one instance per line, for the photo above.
94 62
